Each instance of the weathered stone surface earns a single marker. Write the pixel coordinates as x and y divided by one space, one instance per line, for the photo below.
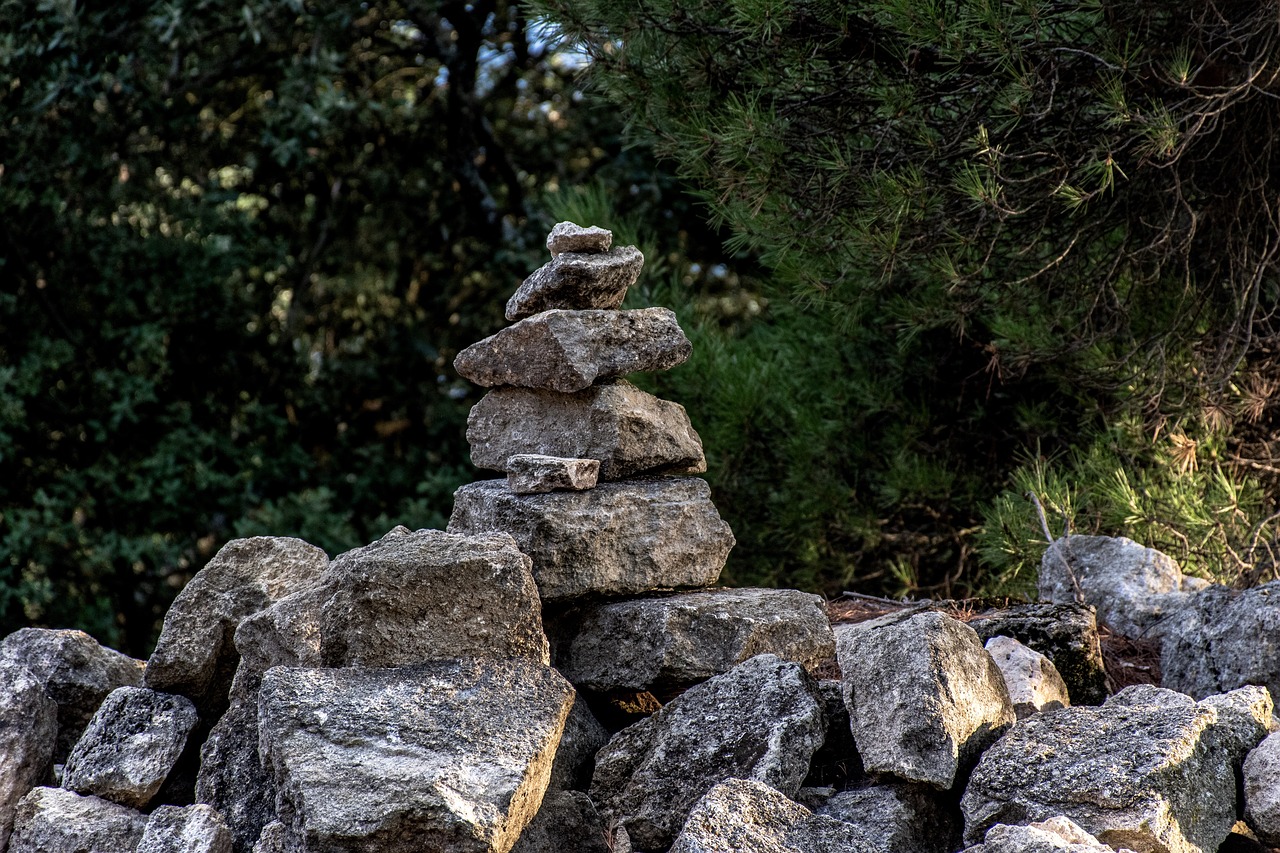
748 816
449 755
617 539
567 823
533 474
53 820
1262 790
195 655
1056 835
630 431
1134 588
1032 680
232 778
682 639
571 237
924 697
76 672
568 351
193 829
575 758
1066 634
1223 639
275 839
578 280
130 746
1150 769
761 720
28 731
898 818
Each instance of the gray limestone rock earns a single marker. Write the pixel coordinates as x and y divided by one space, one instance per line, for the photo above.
761 720
577 280
571 237
1055 835
568 351
130 746
75 670
450 755
1151 769
1222 640
1262 790
1066 634
533 474
275 839
54 820
924 697
898 818
1032 680
567 821
616 539
678 640
232 779
1135 589
28 732
748 816
195 655
575 758
190 829
630 431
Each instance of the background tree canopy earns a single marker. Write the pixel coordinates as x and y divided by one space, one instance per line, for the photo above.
941 254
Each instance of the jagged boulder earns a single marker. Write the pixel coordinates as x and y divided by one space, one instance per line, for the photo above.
1055 835
616 539
28 733
1223 639
686 638
1150 769
54 820
571 237
1066 633
1262 790
898 817
578 280
924 697
448 755
761 720
190 829
1032 680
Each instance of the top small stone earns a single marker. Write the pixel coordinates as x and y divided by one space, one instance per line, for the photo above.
570 237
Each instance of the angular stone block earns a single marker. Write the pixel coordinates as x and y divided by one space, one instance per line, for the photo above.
232 779
1055 835
28 733
1223 639
1032 680
682 639
1262 790
899 817
532 474
193 829
630 431
450 755
571 237
53 820
1066 634
616 539
578 280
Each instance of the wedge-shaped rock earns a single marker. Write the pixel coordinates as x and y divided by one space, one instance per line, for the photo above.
630 431
533 474
1067 634
75 670
583 737
571 237
195 655
567 821
193 829
1262 790
1150 769
578 280
924 697
1222 640
54 820
617 539
747 816
1032 680
28 730
274 839
899 817
568 351
130 746
232 779
1055 835
682 639
760 720
451 755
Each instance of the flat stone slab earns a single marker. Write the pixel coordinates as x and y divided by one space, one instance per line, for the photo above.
533 474
571 237
54 820
616 539
576 280
451 755
568 351
682 639
630 431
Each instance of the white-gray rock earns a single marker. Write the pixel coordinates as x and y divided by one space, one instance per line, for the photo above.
190 829
1032 680
28 733
578 280
1223 639
449 755
761 720
616 539
1262 790
682 639
631 432
1066 634
571 237
1055 835
898 817
924 697
568 351
748 816
130 746
534 474
275 839
54 820
1151 769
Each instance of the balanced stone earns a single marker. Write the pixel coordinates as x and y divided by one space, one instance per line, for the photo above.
567 351
616 539
578 280
571 237
535 474
630 431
